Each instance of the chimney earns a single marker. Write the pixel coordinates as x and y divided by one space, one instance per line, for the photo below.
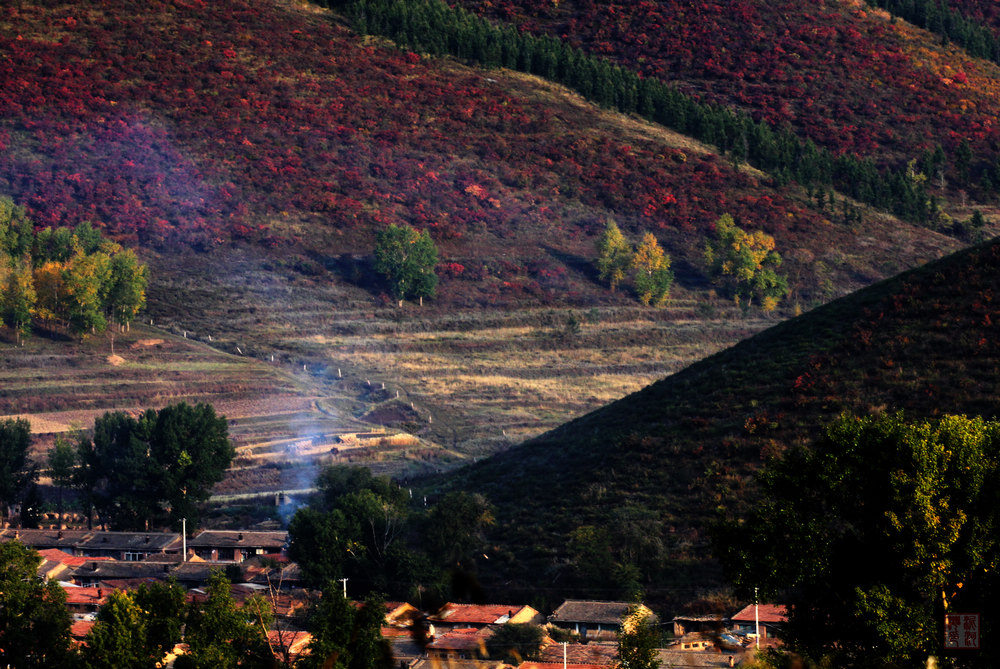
100 593
59 534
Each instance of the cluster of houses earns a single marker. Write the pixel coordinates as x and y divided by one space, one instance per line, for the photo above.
92 564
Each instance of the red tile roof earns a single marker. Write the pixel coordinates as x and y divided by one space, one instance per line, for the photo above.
80 628
94 596
767 613
462 640
65 558
475 614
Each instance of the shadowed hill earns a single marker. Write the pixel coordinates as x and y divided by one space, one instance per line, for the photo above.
652 470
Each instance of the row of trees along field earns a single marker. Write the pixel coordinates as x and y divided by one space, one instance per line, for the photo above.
136 628
135 472
70 279
431 26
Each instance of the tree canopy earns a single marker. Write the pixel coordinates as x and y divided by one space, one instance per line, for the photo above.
17 472
875 532
72 278
745 263
614 255
653 277
407 258
34 621
155 468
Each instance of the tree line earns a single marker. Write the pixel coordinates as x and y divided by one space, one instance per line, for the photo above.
133 472
371 531
431 26
66 278
936 16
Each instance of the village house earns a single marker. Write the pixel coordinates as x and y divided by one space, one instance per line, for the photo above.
236 545
771 619
595 620
452 616
460 644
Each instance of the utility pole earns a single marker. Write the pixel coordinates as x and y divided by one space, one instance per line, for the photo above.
184 539
756 616
564 643
344 581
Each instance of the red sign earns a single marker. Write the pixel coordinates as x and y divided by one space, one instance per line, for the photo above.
961 630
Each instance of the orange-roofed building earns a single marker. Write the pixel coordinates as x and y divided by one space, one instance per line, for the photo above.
288 644
79 629
772 617
83 603
460 644
453 616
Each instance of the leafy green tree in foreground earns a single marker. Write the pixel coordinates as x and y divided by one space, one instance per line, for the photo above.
223 635
638 642
873 534
516 642
118 639
156 468
746 264
407 258
34 621
614 255
17 472
345 636
62 466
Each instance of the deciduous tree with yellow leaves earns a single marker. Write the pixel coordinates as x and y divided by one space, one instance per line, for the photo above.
745 264
653 277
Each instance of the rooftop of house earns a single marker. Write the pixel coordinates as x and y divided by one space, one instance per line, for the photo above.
95 597
44 538
238 539
294 640
589 611
464 639
80 628
478 614
155 542
62 557
766 613
584 654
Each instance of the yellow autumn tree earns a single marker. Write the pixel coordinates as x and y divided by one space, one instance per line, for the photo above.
653 277
614 255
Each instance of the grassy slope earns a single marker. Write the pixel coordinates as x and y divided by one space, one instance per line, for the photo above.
683 449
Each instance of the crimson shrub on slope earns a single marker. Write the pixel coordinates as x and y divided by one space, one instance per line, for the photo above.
201 121
851 81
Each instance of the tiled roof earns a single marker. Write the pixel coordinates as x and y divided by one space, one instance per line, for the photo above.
294 640
81 628
768 613
476 614
84 596
125 541
585 654
57 555
559 665
583 611
467 639
237 539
